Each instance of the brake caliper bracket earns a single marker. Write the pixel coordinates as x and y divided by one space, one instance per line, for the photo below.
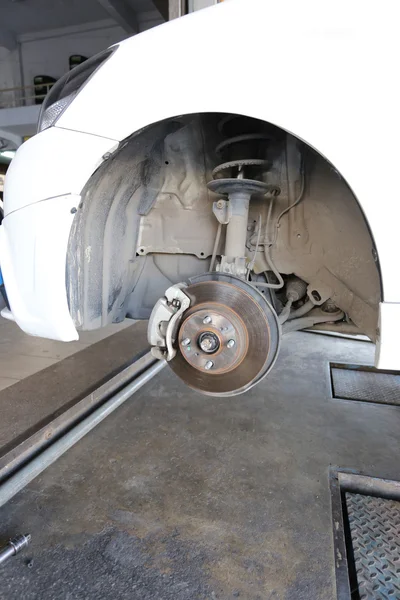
164 321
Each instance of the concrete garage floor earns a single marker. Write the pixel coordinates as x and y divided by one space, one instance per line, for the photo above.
179 496
22 355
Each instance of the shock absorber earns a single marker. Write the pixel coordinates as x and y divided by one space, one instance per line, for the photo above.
238 178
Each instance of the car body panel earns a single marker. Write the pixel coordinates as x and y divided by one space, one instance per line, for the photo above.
33 249
322 72
53 163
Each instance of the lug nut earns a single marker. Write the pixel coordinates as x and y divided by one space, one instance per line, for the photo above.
207 320
209 365
231 343
186 342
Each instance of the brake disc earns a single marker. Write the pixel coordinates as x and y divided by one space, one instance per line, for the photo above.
229 337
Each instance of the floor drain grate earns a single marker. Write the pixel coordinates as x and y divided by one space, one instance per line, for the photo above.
366 384
375 537
366 536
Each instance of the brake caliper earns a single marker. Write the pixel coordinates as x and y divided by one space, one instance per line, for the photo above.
164 321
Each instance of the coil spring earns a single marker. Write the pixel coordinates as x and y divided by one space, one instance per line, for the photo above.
235 148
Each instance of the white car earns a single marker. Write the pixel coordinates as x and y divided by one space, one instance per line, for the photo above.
231 176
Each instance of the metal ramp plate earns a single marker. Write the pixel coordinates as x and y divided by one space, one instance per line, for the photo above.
354 382
375 537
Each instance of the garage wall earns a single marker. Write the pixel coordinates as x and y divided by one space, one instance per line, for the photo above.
9 68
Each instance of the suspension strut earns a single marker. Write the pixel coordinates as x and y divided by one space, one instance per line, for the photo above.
238 178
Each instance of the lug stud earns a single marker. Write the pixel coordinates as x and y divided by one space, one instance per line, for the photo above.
207 320
186 342
209 365
231 343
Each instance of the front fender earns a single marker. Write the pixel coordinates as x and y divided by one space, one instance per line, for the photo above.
309 68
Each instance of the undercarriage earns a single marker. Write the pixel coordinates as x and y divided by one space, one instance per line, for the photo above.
226 233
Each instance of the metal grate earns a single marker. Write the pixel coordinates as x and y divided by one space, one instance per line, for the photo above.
354 382
375 537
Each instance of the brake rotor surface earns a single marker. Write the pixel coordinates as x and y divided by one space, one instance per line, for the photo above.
228 338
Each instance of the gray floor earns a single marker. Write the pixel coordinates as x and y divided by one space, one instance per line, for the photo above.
179 496
22 355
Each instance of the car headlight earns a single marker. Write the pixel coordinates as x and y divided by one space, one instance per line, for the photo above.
67 87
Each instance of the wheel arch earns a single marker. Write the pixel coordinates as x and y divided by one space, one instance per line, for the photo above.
111 202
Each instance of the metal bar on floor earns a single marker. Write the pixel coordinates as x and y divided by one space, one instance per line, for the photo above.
37 440
48 456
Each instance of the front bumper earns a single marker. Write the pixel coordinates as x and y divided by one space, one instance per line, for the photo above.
43 186
33 249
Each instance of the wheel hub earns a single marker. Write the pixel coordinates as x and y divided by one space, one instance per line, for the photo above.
228 339
211 328
209 342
